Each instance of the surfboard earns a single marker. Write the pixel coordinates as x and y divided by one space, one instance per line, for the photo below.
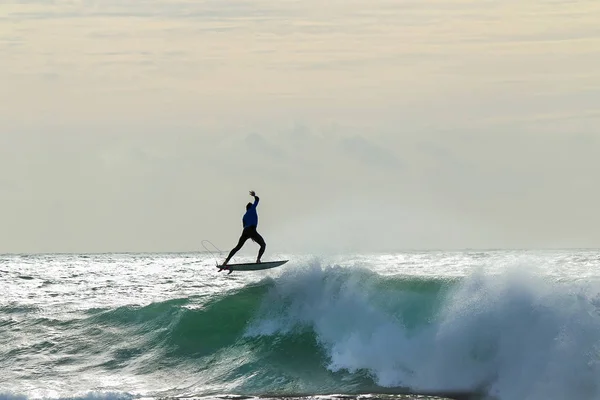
252 266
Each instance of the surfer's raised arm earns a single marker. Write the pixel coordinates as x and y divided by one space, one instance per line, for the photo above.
256 199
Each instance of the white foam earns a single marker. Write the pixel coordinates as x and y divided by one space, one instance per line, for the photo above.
51 395
521 335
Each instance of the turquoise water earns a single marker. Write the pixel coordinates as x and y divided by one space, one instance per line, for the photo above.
515 325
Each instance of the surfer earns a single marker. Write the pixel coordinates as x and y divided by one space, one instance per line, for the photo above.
249 222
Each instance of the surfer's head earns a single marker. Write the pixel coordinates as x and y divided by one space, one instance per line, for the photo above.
248 206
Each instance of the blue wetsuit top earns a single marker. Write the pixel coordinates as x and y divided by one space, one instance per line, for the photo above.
251 217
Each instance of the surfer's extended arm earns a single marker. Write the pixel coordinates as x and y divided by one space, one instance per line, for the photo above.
256 199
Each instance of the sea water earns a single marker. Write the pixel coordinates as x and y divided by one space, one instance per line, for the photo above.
508 325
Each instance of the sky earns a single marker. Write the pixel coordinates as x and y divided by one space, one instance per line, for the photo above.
363 125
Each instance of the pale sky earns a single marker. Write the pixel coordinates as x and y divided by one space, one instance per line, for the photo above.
363 125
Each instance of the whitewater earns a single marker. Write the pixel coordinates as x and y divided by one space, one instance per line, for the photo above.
507 325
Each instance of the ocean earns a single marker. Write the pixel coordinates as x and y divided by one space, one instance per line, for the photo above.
508 325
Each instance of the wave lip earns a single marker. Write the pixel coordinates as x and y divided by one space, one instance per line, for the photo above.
517 334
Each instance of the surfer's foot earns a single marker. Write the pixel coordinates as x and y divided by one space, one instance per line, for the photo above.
258 261
224 266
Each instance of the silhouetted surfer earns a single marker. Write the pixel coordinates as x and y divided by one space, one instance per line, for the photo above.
250 222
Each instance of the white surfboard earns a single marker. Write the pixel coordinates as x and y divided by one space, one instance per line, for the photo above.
252 266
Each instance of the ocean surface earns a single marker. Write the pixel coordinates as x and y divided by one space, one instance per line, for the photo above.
509 325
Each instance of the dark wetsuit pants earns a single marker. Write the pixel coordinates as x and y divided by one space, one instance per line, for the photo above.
249 233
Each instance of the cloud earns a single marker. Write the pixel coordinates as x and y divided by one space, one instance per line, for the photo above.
258 146
370 154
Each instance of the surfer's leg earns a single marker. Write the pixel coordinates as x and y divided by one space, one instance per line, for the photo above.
261 242
240 244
